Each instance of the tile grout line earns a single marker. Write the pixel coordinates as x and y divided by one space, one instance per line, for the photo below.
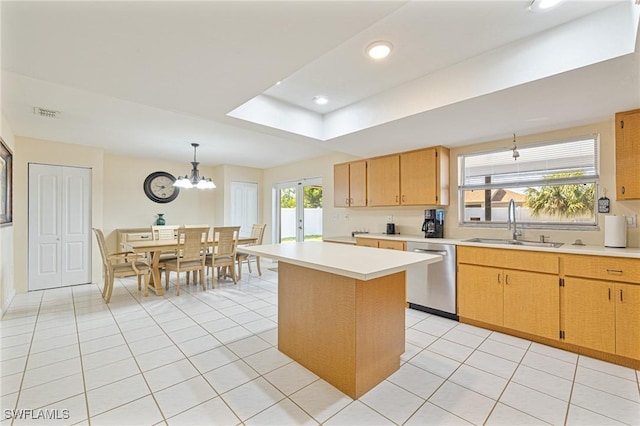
26 361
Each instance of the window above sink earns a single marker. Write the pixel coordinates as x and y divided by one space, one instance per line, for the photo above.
553 184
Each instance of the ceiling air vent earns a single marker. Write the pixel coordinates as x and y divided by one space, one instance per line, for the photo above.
46 113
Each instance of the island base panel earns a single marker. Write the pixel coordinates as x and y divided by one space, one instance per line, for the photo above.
349 332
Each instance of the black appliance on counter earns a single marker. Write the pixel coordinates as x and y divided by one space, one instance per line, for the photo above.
433 225
391 228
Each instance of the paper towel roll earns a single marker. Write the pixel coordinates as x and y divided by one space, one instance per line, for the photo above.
615 231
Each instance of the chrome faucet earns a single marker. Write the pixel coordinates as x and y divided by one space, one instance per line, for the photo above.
511 219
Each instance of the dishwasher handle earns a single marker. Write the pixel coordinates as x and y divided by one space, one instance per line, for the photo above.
440 252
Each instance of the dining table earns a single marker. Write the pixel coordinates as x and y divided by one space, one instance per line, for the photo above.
154 248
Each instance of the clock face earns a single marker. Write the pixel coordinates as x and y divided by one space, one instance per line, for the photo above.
158 186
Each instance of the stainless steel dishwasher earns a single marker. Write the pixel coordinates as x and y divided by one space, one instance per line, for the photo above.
432 288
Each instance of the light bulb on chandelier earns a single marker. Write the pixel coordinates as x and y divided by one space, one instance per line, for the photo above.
194 180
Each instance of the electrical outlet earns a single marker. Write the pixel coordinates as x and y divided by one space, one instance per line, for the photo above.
346 216
632 220
389 218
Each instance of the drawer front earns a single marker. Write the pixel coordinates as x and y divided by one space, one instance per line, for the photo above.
546 263
392 245
603 268
367 242
138 236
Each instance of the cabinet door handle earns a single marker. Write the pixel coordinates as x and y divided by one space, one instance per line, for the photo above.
506 279
403 198
614 271
396 198
621 295
346 201
499 279
622 190
350 201
609 293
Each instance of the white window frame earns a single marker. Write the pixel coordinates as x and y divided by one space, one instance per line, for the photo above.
517 183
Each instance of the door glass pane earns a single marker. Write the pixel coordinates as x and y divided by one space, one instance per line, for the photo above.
288 214
312 222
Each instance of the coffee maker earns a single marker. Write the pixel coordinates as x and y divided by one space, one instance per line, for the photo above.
433 225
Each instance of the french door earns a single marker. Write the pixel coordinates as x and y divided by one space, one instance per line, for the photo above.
59 226
298 210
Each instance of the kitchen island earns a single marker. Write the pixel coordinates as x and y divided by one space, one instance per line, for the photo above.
341 309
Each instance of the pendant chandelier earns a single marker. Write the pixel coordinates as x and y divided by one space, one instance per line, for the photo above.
194 180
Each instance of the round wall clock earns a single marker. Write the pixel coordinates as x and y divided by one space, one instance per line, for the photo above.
158 186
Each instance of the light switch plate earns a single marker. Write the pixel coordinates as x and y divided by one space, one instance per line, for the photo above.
632 220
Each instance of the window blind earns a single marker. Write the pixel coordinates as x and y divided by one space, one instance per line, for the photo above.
565 161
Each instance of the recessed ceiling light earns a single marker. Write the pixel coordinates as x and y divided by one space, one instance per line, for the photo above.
320 100
379 50
541 5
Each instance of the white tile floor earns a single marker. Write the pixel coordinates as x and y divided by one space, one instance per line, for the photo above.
211 358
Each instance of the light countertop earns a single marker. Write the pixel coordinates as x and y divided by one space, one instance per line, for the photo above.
566 248
363 263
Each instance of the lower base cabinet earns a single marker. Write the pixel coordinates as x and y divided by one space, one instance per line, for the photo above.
480 294
520 300
532 303
582 303
602 315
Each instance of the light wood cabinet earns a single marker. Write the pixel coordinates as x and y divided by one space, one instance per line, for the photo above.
532 303
414 178
589 314
480 294
628 320
628 155
385 244
602 304
350 184
424 177
383 181
493 289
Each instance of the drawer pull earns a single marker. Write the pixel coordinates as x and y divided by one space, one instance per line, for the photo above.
143 237
614 271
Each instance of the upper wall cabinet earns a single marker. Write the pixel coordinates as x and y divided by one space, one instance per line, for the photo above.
350 184
383 181
628 155
424 177
414 178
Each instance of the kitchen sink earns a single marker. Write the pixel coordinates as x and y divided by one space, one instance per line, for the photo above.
513 242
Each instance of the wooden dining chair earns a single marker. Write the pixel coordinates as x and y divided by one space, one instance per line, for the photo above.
191 256
164 232
120 264
257 232
224 253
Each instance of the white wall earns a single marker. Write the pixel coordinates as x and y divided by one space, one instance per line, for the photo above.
408 220
607 181
126 205
7 283
48 152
